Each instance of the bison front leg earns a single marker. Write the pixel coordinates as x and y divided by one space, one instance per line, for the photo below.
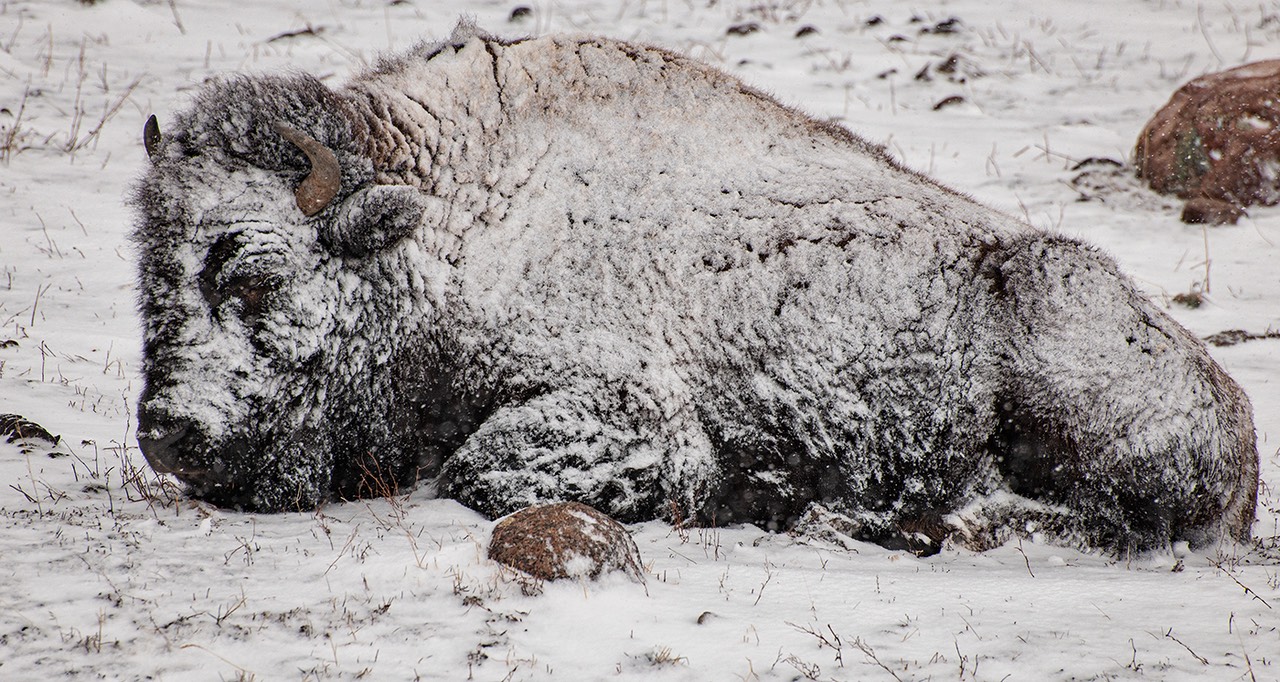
563 446
1112 410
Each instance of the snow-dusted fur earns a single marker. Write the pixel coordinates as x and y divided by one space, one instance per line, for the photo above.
581 269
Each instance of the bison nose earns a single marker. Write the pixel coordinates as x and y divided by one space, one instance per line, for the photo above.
159 446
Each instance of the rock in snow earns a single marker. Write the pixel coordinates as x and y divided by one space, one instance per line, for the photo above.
565 540
1216 143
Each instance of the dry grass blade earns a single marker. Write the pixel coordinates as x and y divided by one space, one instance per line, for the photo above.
74 144
11 137
1247 590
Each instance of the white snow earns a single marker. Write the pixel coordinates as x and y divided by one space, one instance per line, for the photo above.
104 575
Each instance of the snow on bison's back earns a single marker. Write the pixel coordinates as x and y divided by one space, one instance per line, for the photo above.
581 269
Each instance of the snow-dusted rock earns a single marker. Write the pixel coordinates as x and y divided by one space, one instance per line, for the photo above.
565 540
1216 143
582 269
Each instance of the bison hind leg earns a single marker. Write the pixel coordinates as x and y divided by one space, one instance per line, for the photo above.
1069 493
1112 410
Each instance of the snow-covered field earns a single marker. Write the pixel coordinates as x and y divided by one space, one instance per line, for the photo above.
107 573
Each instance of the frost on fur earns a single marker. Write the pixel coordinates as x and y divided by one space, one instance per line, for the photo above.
581 269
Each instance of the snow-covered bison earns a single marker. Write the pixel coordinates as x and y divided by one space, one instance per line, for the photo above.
582 269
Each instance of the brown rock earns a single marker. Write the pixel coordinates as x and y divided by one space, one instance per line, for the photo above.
1210 212
565 540
1218 139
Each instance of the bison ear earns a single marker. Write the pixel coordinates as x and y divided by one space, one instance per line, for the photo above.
374 218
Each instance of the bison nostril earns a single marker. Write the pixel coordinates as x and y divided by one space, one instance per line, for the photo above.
158 446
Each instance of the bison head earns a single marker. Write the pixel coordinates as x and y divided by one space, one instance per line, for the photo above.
255 223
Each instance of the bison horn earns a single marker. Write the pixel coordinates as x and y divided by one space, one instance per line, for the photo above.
151 136
321 186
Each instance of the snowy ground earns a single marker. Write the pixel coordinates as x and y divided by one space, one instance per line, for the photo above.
104 574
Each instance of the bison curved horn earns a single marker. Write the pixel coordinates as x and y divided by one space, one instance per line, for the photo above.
321 186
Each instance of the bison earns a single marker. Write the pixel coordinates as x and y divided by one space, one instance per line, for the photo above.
573 268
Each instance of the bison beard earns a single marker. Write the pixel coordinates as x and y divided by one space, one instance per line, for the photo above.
581 269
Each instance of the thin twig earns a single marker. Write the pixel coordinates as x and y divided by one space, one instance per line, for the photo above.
177 20
1205 229
871 656
1205 32
224 659
109 114
1247 590
1024 558
1202 659
768 576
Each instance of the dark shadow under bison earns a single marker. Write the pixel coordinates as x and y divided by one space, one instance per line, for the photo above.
582 269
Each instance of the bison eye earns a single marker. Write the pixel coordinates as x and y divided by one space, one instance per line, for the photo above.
250 291
226 278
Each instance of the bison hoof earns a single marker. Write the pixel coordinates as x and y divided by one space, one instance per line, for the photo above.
565 540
